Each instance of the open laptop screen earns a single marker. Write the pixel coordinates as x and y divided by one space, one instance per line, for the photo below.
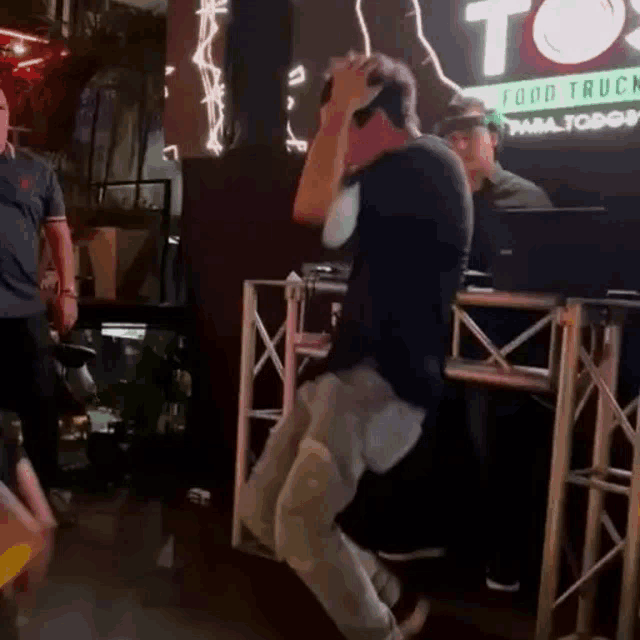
580 252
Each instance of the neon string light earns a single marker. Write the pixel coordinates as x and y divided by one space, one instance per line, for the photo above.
210 75
295 144
297 76
22 36
415 12
363 28
431 54
171 153
29 63
167 72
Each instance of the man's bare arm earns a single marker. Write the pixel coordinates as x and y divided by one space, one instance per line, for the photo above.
323 170
322 174
59 237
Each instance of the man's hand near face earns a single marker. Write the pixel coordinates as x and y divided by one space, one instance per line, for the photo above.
351 90
325 165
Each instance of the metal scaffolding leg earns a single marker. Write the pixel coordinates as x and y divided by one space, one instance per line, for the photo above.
293 296
559 467
245 402
631 564
601 458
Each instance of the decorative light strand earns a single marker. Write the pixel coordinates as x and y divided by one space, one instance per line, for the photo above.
363 28
22 36
29 63
168 70
432 57
297 76
295 144
171 153
210 75
417 13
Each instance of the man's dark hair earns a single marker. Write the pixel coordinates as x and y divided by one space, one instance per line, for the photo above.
457 116
398 99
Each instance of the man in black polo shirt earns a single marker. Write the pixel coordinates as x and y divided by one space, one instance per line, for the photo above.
407 205
30 197
496 417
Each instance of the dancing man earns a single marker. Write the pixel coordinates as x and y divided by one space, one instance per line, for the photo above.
405 200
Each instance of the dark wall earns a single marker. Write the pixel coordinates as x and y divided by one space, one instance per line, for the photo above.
237 226
237 208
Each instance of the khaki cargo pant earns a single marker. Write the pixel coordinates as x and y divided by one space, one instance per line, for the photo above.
309 472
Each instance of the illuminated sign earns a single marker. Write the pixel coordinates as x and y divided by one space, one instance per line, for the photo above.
496 13
596 121
564 31
596 26
569 93
562 92
560 32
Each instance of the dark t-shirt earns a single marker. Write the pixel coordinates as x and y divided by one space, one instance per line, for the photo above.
505 190
411 246
29 195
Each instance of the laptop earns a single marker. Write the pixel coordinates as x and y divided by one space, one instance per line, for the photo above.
588 252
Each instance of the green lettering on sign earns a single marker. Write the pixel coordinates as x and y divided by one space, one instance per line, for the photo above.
562 92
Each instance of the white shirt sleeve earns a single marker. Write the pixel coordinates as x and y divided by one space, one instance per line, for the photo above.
342 217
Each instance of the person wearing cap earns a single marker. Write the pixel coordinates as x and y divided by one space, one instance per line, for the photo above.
31 198
475 133
370 176
495 417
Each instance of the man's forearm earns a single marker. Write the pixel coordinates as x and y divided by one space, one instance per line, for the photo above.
323 169
59 238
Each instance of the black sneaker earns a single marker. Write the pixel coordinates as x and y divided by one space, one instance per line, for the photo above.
502 577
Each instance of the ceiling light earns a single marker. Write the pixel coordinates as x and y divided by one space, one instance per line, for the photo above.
19 48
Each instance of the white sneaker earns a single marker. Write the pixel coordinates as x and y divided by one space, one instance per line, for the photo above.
418 554
504 582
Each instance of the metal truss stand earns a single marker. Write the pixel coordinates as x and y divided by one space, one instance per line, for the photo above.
299 347
584 361
574 373
582 373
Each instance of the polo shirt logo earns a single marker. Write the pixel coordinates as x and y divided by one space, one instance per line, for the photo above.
26 184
